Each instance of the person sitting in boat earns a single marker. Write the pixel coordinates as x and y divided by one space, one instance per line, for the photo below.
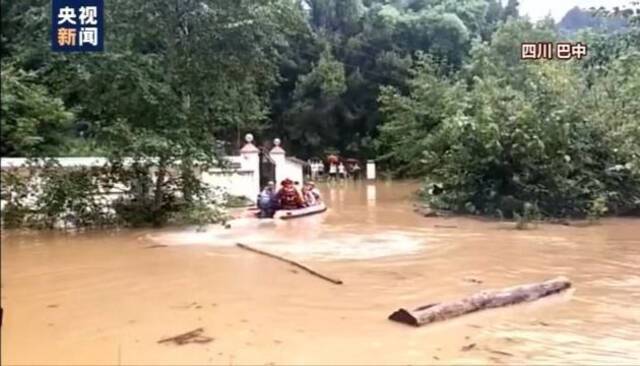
308 196
266 201
289 197
301 191
314 191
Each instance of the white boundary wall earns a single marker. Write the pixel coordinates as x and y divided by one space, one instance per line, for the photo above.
241 180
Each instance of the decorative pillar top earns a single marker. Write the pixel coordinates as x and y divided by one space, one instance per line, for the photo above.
276 148
249 147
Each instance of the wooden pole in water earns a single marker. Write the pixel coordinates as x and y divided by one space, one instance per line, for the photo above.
307 269
484 300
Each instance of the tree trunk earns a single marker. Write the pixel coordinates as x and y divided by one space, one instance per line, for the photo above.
158 191
188 180
480 301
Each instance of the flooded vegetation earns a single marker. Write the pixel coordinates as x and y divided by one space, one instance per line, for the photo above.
110 297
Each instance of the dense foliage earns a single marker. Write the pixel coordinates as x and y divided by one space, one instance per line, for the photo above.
373 44
500 135
33 122
430 88
173 82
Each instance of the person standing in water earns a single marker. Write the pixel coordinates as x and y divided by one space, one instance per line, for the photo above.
333 170
342 171
355 170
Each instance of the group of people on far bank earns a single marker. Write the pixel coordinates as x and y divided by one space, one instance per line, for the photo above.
335 169
288 197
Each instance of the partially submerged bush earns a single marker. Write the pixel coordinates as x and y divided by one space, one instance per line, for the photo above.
529 215
47 195
199 214
15 191
232 201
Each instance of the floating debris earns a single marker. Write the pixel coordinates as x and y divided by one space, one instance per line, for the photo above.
499 352
472 280
194 336
468 347
293 263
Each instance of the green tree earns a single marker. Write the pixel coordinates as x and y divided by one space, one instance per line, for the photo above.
376 47
511 10
33 122
548 137
410 119
173 82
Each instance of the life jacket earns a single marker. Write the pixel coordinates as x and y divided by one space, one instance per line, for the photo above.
289 198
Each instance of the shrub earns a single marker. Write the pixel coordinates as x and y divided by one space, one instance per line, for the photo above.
51 196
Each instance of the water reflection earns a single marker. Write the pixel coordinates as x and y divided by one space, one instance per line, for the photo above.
371 195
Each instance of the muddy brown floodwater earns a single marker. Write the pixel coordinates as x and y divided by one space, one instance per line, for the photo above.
109 297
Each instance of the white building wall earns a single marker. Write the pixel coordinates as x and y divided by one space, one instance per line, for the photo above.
293 171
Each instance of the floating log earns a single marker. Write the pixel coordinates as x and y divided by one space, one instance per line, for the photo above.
293 263
483 300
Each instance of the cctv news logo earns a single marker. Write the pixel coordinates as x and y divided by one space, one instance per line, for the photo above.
77 25
547 51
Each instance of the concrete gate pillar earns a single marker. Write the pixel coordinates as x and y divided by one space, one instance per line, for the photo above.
371 170
250 160
279 158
